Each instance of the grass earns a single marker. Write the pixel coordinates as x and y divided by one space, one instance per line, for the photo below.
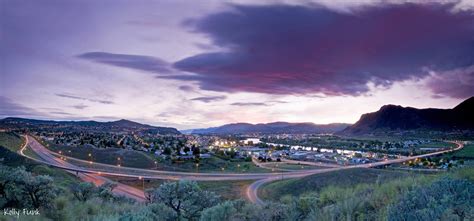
12 141
213 164
294 166
228 190
114 156
343 178
31 153
466 152
466 172
436 144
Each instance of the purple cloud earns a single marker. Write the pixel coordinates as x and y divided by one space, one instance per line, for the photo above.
208 99
8 108
284 49
79 106
138 62
186 88
457 83
249 104
75 97
61 113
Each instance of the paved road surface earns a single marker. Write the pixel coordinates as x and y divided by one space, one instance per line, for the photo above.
121 189
320 164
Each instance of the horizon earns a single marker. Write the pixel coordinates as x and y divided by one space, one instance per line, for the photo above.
179 129
191 65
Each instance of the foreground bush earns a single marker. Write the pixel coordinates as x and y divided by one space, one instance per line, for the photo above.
185 198
446 199
21 189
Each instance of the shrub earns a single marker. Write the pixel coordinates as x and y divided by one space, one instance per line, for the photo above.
444 198
185 198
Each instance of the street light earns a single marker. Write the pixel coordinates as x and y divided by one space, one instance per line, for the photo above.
143 182
118 160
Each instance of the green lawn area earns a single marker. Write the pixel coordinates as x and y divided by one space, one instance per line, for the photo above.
228 190
212 164
314 183
436 144
293 166
114 156
466 152
11 141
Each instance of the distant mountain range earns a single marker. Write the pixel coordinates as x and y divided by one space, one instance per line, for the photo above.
389 119
112 126
392 118
272 128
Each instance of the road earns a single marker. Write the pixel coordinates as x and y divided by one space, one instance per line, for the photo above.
93 174
252 190
98 180
320 164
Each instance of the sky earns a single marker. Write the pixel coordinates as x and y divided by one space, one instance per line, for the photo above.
195 64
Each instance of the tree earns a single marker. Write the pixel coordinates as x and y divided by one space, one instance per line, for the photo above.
186 149
104 191
40 189
83 191
167 151
23 189
222 211
186 198
6 185
231 153
155 212
196 151
273 211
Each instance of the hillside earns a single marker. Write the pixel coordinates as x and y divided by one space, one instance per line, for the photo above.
398 118
273 128
112 126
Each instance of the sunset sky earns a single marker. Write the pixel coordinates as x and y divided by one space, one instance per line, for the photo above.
192 64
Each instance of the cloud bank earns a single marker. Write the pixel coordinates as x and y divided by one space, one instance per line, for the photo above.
208 99
138 62
282 49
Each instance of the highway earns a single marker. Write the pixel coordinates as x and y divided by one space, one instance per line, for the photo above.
98 180
252 190
94 174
